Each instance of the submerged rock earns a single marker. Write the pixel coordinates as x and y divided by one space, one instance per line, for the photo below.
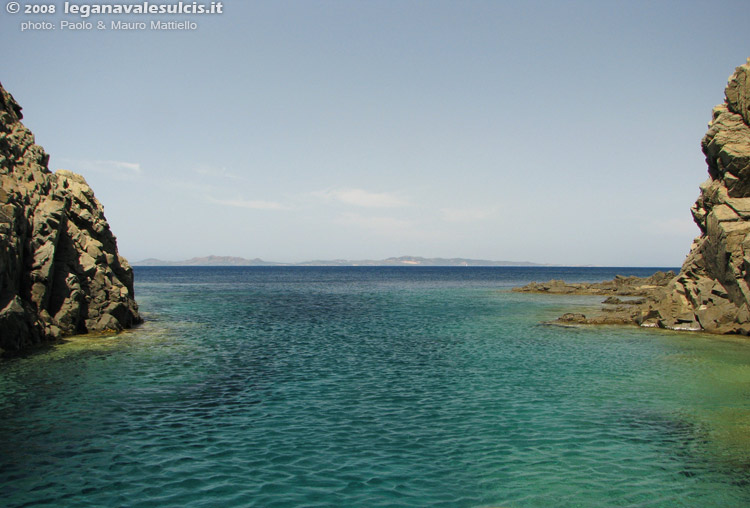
613 300
60 273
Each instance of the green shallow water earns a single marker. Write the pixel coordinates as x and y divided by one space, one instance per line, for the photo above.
374 387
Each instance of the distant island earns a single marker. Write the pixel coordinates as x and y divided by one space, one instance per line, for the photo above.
393 261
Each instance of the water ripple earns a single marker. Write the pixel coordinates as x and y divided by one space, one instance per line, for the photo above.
313 390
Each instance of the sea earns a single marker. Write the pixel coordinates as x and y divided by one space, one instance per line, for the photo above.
375 387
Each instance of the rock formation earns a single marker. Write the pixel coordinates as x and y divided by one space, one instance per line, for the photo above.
712 290
60 273
616 311
620 286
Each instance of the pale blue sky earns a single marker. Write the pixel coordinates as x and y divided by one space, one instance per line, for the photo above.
560 132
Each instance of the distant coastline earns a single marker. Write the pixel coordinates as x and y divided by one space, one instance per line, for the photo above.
392 261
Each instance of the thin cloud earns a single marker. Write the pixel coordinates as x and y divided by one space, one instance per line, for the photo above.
387 225
250 204
121 168
219 172
467 214
363 198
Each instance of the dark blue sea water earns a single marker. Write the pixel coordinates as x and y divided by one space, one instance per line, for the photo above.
285 387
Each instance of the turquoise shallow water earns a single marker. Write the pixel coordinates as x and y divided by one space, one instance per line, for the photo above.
374 387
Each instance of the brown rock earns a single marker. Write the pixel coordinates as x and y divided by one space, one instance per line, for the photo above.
738 92
620 285
59 269
712 290
571 317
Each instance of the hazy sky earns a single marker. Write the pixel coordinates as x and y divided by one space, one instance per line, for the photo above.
551 131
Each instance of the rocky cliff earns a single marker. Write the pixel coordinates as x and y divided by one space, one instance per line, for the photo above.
60 273
712 290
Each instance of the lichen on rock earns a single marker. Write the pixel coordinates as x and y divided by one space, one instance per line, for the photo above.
60 272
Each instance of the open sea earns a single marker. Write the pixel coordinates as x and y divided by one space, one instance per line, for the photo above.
370 387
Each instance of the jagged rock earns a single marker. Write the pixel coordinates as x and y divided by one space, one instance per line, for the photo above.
711 292
619 318
60 272
572 317
613 300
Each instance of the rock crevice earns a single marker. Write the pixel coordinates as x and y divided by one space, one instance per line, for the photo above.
60 272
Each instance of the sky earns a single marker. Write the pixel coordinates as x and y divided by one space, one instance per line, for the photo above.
561 132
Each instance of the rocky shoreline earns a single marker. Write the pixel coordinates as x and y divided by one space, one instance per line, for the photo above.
628 298
619 286
60 272
712 291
